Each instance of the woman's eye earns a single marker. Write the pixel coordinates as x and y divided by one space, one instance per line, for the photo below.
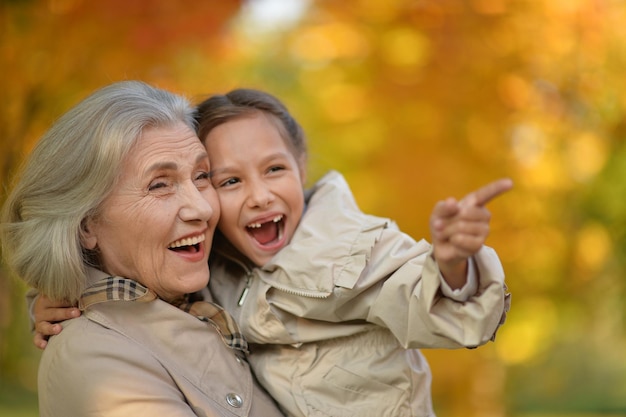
203 179
204 176
156 185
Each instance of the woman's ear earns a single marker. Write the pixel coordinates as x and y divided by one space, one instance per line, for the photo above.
88 237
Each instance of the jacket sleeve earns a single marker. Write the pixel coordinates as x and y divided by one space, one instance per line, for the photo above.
96 373
409 300
390 280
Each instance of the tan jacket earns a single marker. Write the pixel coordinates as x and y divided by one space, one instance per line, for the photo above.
337 313
131 358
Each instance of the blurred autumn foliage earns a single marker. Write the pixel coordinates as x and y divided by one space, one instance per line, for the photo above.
415 101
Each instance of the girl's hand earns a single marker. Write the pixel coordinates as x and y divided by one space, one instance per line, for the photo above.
459 229
47 315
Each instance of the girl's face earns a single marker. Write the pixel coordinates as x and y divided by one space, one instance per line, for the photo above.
259 183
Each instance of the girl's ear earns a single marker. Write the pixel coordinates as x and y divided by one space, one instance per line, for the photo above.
302 168
88 237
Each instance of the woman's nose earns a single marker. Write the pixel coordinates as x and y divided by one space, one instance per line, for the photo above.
196 205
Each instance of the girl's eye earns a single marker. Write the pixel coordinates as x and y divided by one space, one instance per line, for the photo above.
276 168
228 182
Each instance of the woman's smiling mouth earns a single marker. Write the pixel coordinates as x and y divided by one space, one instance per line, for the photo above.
187 244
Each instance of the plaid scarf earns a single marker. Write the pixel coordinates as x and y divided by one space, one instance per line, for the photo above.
122 289
219 318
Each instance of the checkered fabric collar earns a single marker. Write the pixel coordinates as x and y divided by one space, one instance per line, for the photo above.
115 289
123 289
219 318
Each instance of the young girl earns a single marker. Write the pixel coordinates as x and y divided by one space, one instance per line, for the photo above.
335 302
332 297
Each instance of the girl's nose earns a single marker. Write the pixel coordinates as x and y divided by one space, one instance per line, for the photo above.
259 195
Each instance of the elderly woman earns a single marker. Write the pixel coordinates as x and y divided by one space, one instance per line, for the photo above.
115 211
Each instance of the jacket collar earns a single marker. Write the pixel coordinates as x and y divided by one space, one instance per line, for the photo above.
103 287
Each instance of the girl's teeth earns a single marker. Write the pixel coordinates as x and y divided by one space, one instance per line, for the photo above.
257 225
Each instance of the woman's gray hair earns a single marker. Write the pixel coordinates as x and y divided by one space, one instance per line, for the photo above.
69 174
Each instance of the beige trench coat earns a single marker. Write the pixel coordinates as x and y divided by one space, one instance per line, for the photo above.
131 358
338 313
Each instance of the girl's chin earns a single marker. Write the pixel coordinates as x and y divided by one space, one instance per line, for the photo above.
260 259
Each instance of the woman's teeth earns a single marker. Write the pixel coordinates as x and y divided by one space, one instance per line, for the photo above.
188 241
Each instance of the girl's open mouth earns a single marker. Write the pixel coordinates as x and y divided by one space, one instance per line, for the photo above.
267 232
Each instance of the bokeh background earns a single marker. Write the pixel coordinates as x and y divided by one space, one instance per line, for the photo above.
414 100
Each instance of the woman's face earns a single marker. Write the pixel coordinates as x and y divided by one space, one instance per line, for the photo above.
157 224
259 183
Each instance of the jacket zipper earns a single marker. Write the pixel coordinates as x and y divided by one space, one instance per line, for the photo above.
248 271
299 293
244 293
